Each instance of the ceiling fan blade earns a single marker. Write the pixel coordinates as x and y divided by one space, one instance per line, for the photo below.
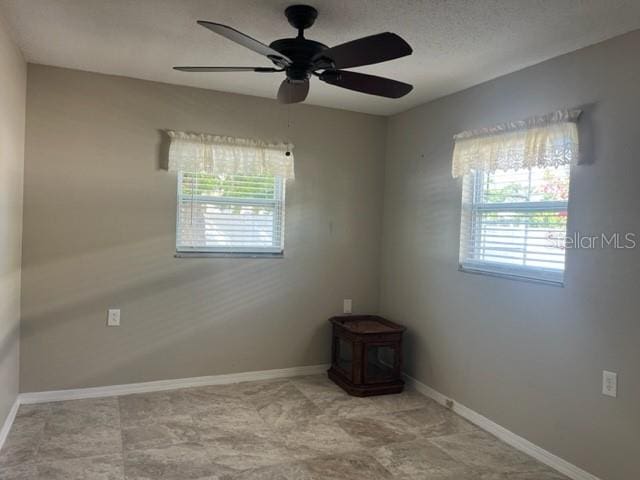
361 82
365 51
293 92
246 41
227 69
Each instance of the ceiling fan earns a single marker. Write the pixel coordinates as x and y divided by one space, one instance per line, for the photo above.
300 58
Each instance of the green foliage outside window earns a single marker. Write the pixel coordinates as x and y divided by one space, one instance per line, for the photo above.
229 186
555 187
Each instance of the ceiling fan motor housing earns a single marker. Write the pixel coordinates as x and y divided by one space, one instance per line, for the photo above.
301 51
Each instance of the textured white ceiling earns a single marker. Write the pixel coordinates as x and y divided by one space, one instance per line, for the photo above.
456 43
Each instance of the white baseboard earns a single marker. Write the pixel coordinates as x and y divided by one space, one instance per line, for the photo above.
507 436
8 422
160 385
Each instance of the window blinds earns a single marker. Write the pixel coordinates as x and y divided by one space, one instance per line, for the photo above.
230 213
514 222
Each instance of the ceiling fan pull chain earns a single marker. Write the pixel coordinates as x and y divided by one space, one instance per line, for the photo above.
288 152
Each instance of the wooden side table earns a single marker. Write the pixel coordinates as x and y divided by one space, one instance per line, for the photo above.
366 355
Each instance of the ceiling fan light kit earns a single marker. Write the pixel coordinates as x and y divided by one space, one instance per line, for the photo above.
300 59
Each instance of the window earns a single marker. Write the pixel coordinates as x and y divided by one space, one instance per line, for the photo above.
514 222
230 213
515 192
231 193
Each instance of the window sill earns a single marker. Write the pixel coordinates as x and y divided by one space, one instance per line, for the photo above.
511 276
227 255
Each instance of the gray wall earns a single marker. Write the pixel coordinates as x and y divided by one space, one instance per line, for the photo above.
528 356
13 82
99 232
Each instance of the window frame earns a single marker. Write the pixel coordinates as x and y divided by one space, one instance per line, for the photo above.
550 276
233 251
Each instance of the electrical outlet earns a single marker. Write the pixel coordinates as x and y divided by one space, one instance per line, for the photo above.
113 317
609 383
346 305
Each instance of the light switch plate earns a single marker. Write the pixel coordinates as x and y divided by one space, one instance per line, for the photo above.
609 383
113 317
346 305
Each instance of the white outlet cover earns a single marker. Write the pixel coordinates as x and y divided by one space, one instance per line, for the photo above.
347 305
113 317
609 383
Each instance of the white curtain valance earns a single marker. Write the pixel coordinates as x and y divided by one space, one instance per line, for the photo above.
545 141
216 154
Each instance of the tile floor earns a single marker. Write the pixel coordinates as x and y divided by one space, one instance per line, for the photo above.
303 428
